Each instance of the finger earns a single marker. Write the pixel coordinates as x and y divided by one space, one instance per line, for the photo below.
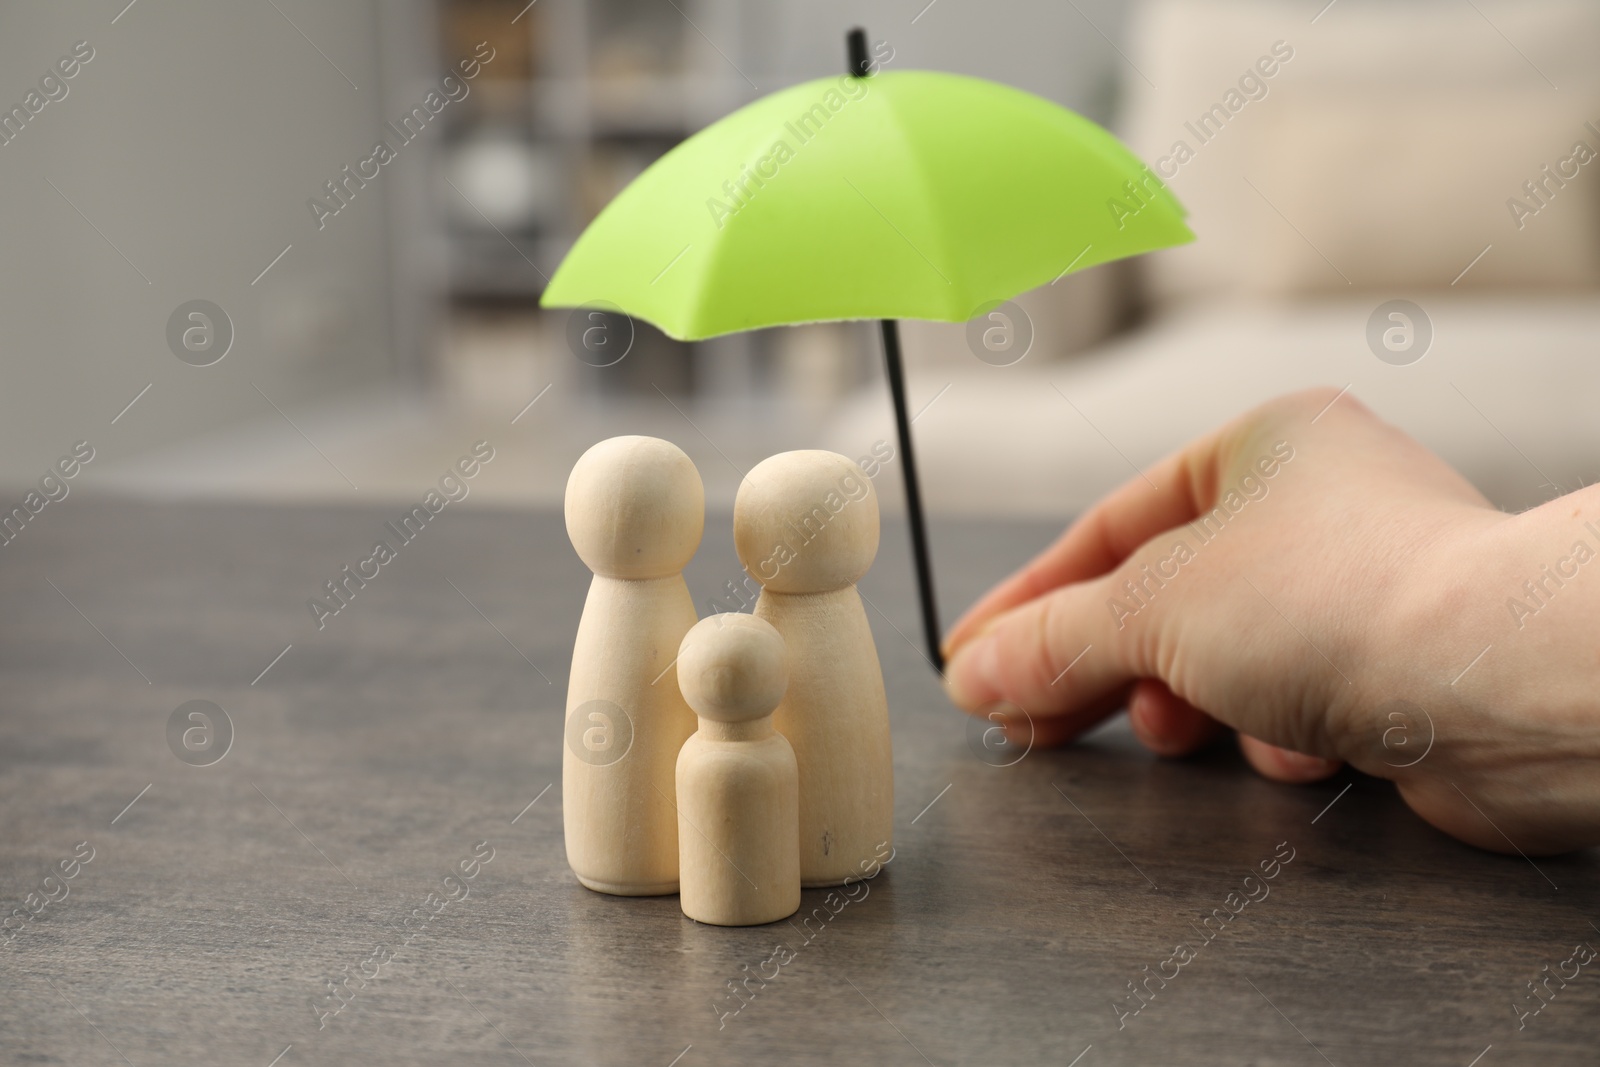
1283 765
1058 655
1053 731
1174 492
1166 723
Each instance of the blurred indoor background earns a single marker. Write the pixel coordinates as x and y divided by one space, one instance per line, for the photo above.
1383 158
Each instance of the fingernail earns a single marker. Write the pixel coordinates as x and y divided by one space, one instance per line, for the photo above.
969 677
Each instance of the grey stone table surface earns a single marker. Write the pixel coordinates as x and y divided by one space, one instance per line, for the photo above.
164 912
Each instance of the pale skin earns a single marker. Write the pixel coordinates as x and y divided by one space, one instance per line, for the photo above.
1362 571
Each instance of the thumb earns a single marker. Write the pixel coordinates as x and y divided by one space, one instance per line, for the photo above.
1059 655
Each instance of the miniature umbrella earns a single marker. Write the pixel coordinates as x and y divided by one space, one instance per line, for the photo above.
909 194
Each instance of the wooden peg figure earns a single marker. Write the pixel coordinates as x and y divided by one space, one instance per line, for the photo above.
738 787
805 525
635 512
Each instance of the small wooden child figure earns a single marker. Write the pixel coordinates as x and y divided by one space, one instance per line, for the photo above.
738 787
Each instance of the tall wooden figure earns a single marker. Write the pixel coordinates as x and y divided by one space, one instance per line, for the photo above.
805 525
635 512
738 788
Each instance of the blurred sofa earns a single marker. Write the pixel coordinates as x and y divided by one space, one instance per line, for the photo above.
1384 157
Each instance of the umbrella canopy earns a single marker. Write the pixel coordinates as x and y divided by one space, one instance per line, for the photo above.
907 195
910 194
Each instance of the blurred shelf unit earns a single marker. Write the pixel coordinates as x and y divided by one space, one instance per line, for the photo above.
578 100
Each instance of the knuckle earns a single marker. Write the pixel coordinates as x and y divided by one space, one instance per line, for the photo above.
1312 401
1308 400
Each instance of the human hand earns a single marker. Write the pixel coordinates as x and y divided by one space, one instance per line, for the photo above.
1293 575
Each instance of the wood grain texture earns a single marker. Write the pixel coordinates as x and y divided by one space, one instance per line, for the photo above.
385 747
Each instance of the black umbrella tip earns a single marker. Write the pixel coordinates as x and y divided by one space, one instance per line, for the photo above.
856 43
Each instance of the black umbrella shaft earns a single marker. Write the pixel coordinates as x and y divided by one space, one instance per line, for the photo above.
919 530
855 43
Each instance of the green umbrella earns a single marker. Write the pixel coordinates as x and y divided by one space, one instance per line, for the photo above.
909 194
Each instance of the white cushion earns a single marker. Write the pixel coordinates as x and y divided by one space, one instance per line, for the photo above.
1391 141
1003 440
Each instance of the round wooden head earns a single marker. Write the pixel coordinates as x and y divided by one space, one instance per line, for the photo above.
806 522
635 508
732 667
